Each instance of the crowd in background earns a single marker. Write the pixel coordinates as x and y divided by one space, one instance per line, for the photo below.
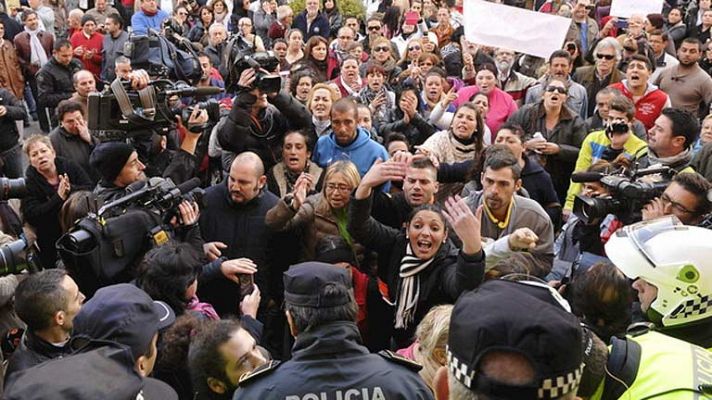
424 169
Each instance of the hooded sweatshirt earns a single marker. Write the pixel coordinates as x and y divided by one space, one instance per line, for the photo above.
648 107
363 151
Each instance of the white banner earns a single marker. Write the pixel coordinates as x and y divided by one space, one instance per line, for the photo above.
627 8
525 31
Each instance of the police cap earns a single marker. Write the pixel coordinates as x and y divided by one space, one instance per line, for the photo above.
525 318
304 284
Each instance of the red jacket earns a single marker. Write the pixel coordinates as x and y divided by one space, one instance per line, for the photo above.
648 107
95 43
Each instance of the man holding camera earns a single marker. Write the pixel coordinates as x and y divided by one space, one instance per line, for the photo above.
617 138
685 198
260 116
119 165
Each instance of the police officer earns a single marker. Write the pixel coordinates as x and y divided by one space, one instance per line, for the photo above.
670 264
638 366
526 346
328 360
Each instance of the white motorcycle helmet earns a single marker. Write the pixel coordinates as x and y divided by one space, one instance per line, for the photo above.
675 258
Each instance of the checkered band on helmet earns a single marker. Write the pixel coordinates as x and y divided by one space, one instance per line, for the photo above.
695 306
552 388
459 370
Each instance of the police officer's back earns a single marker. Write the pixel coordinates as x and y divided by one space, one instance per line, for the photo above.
328 358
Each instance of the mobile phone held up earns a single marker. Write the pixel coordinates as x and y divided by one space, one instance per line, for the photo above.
247 284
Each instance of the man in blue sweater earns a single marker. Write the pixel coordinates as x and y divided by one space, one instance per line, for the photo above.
347 141
148 17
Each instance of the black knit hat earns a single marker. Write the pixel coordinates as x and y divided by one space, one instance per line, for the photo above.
109 158
525 318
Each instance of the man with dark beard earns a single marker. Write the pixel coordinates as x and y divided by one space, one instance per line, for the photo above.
511 222
232 224
688 85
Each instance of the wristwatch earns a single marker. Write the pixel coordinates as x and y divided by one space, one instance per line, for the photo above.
289 199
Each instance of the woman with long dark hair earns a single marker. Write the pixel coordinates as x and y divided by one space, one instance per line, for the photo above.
463 141
421 266
315 58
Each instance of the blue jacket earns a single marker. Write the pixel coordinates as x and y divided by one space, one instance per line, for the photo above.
363 151
141 23
320 26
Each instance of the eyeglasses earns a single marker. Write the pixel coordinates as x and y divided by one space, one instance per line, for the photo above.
675 205
380 48
608 57
374 28
554 88
340 187
414 48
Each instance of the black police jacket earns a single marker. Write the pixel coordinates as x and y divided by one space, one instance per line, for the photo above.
330 363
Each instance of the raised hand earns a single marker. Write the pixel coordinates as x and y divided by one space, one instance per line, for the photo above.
380 172
465 224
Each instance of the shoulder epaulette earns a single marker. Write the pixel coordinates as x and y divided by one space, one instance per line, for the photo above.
398 359
260 371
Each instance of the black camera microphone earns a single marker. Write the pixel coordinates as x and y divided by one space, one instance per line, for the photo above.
188 185
583 177
195 91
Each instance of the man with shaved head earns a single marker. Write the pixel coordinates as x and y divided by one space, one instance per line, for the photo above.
232 224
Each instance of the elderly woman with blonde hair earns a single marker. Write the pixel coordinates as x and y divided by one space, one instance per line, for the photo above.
321 214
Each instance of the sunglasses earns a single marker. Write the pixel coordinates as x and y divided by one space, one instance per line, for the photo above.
630 49
554 88
380 48
608 57
374 28
413 48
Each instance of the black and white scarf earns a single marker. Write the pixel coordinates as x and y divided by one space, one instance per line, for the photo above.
409 287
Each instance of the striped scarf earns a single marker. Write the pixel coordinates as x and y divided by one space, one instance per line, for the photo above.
409 287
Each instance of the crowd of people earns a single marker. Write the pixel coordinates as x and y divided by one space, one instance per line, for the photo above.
408 214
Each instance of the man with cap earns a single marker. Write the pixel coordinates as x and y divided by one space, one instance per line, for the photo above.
115 337
328 360
125 314
119 165
526 346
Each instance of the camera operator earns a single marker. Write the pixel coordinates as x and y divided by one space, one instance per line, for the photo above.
580 244
616 138
670 140
119 165
685 198
258 120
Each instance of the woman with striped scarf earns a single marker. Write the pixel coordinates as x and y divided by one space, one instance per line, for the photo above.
420 265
